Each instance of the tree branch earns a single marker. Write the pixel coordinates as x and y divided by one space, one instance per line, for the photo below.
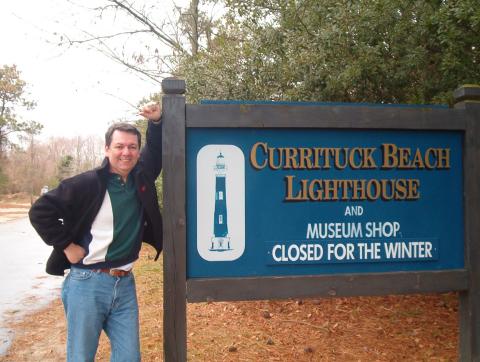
94 38
107 51
153 28
4 105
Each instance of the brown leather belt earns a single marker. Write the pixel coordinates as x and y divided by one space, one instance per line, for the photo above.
114 272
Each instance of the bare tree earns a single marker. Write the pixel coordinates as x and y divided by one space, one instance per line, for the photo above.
34 163
148 37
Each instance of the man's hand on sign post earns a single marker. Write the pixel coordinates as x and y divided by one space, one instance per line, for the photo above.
151 111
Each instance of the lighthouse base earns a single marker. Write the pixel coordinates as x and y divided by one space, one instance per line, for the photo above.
220 244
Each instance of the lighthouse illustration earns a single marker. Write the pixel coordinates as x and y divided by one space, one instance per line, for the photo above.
220 198
220 240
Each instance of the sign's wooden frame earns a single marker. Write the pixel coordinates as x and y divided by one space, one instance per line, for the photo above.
178 116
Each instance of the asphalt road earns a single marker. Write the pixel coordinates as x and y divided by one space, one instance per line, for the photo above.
24 285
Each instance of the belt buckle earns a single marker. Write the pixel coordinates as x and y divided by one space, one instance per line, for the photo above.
112 272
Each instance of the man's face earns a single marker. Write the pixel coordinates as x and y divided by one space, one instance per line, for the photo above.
123 153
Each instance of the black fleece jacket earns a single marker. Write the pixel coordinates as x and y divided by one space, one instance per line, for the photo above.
65 214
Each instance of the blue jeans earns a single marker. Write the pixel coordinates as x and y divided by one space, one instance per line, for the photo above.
94 301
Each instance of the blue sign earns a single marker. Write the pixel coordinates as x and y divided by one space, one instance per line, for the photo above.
276 202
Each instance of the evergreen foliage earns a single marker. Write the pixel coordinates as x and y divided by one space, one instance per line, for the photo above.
398 51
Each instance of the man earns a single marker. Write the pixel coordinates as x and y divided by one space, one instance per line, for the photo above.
96 222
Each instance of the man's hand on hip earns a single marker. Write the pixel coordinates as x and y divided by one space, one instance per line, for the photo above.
74 253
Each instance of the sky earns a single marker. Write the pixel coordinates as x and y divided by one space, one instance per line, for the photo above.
78 91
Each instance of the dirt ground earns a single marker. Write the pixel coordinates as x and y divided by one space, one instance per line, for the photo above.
13 206
390 328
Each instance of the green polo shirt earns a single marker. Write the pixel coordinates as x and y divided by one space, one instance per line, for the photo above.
115 233
127 214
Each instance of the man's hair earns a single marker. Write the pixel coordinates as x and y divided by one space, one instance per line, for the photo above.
122 127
